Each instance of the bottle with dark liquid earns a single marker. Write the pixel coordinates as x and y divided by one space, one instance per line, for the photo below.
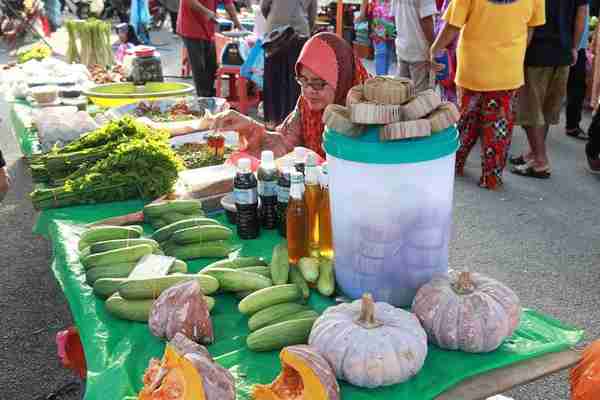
299 157
297 234
246 201
283 194
325 230
267 190
312 198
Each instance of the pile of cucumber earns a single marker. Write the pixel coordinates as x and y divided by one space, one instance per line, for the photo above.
193 238
166 212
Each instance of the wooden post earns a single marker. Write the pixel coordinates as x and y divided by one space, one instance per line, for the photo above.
339 18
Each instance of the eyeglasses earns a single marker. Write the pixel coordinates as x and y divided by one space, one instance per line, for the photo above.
316 85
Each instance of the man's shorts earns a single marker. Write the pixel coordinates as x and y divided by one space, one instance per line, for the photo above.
540 100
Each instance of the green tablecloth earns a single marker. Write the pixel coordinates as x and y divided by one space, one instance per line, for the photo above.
20 117
117 351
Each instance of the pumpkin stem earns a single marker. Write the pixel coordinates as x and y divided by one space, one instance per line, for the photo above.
464 283
367 313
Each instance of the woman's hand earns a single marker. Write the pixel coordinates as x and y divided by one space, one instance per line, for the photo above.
4 182
250 131
433 53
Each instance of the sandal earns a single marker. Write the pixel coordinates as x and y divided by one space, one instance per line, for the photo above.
529 171
520 160
577 133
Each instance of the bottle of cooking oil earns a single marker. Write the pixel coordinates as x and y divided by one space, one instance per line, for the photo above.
296 220
325 235
312 198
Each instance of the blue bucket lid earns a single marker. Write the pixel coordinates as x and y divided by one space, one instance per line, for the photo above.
370 150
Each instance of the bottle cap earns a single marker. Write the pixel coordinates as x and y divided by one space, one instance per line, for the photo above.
244 164
266 157
299 153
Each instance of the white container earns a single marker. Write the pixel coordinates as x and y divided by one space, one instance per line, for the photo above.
391 206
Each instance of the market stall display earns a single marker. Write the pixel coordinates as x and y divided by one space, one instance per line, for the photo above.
89 42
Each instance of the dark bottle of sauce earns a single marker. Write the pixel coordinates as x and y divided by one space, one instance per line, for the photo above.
267 190
246 201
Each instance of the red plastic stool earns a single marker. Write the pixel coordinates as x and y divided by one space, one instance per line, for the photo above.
238 89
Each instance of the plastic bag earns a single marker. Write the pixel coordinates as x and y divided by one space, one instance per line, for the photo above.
585 377
58 126
254 67
182 309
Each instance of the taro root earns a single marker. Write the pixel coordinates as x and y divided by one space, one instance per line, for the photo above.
186 372
305 374
182 309
467 311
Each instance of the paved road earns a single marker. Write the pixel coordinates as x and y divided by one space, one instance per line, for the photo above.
539 237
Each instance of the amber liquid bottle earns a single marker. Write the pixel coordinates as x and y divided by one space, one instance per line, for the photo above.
296 221
325 230
312 198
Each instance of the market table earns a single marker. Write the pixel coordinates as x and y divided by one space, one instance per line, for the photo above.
26 135
117 351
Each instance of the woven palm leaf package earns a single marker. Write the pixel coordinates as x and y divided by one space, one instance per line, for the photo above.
421 105
405 130
388 90
443 117
337 117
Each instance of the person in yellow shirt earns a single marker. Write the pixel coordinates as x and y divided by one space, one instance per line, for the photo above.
494 35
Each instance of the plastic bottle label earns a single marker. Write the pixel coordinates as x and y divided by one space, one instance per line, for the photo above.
267 188
283 194
245 196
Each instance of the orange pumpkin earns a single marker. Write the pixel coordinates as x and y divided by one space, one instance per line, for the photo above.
305 374
186 372
585 377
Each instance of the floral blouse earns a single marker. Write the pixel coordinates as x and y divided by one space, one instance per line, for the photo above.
383 26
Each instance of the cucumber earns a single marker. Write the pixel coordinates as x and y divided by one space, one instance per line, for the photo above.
163 234
158 223
215 249
264 271
270 296
299 315
280 265
232 280
297 278
123 255
210 302
172 217
103 233
240 262
270 315
326 282
151 288
132 310
106 287
123 270
277 336
205 233
100 247
309 267
179 206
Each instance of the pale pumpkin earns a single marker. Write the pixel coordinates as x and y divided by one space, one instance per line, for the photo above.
305 374
186 372
370 344
467 311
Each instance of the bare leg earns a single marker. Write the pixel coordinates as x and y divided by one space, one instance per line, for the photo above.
536 136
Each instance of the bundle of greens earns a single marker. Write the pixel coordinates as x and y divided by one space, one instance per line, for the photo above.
142 167
94 42
54 167
37 51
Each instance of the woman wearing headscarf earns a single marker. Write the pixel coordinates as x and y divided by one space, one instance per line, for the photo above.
326 71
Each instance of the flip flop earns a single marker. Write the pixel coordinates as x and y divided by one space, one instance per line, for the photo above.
520 160
577 133
529 171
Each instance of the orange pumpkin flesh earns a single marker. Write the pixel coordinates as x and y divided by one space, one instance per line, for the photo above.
305 375
175 378
585 377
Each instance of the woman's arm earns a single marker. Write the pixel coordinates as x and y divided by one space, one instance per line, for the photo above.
230 8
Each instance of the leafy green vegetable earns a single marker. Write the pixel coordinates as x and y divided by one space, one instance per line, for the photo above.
144 168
